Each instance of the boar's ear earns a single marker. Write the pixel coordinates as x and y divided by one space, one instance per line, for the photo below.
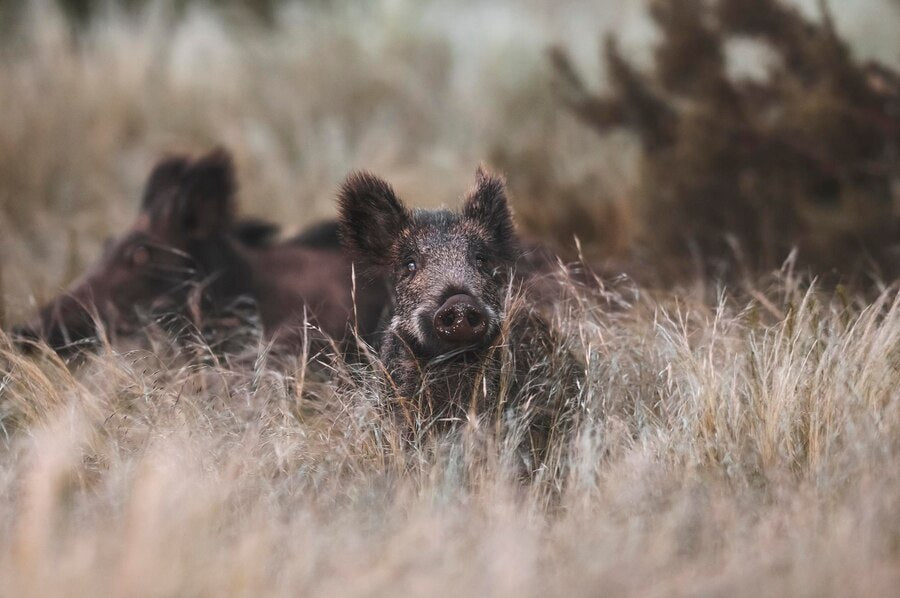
371 217
206 203
487 205
163 182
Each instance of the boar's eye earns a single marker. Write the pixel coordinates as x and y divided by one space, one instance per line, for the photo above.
139 256
411 266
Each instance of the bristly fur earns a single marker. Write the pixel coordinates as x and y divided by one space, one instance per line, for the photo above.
208 195
197 197
324 235
254 232
370 218
428 257
487 203
185 255
164 177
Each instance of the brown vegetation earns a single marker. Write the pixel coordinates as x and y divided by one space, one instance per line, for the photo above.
742 171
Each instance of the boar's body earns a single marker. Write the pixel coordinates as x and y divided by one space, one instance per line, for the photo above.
295 281
185 254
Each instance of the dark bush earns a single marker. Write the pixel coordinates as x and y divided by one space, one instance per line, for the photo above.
736 173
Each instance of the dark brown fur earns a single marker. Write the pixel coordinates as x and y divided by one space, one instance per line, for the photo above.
186 254
430 255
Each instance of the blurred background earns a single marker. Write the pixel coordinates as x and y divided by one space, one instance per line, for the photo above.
679 141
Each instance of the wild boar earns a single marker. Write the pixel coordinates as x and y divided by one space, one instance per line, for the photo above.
461 337
186 253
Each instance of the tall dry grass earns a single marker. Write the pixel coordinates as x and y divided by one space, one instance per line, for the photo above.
748 446
743 449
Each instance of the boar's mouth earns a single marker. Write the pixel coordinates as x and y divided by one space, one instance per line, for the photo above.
429 345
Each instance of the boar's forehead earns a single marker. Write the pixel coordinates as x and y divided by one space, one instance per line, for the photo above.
445 232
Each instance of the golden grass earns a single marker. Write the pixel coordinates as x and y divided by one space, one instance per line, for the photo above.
719 451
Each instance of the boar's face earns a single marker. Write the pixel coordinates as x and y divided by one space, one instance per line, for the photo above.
449 270
186 205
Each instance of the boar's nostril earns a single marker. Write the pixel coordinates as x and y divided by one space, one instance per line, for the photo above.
460 320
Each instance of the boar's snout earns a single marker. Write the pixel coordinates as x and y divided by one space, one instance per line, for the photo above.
461 320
